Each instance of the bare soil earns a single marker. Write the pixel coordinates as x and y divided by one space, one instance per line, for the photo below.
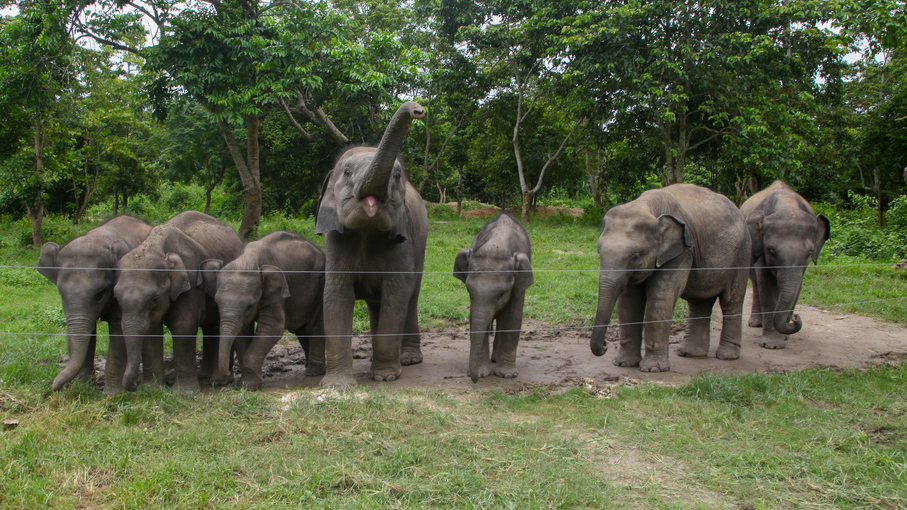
558 356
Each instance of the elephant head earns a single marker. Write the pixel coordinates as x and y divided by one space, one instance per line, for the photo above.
784 242
84 274
366 188
492 281
153 276
633 243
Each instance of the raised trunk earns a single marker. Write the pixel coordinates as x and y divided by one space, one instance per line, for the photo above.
78 332
784 319
379 172
609 289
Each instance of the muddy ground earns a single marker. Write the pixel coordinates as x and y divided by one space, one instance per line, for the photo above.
554 357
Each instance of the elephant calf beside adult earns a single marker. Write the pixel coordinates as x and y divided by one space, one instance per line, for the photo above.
679 241
84 271
786 234
375 227
276 283
161 285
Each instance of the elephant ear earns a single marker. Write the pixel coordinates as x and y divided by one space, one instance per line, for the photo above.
461 264
47 262
179 276
754 226
118 249
207 275
824 234
523 268
327 218
674 237
273 282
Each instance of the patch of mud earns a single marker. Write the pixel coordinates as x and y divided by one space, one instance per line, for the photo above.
540 211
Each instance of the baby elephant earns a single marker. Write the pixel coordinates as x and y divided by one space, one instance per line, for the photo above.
497 272
278 283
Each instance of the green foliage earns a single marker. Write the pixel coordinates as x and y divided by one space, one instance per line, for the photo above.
855 232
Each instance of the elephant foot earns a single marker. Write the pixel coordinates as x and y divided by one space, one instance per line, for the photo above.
773 340
627 360
338 380
250 383
410 356
507 371
313 369
485 370
689 349
655 363
727 351
755 321
386 374
186 385
221 380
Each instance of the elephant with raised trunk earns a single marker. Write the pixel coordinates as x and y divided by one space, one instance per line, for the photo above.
786 234
84 271
679 241
160 284
276 283
497 270
375 226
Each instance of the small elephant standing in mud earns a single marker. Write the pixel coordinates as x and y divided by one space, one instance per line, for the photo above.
786 234
497 271
160 284
84 271
276 283
679 241
375 228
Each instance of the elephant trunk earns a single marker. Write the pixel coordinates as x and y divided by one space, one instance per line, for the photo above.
610 287
379 172
134 331
79 330
229 328
479 330
784 319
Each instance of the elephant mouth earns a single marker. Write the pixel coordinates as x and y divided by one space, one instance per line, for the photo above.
370 203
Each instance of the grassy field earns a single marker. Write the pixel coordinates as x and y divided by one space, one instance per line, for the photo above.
820 438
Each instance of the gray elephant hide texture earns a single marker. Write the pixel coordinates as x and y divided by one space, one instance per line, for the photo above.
786 234
84 273
275 284
497 270
161 285
679 241
375 227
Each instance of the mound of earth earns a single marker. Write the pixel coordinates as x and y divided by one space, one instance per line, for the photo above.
540 210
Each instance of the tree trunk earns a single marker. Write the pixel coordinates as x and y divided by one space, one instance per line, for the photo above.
594 178
116 203
525 205
35 210
248 174
459 190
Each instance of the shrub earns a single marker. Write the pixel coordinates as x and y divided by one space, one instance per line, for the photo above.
442 212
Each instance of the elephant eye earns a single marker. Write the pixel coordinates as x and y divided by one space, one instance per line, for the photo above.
347 172
154 299
100 296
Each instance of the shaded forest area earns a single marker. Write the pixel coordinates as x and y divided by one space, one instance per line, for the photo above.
556 102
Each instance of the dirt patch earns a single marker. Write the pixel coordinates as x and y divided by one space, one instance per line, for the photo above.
556 357
540 211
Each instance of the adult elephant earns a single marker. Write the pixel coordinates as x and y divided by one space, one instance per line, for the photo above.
84 271
786 234
375 225
679 241
276 283
160 284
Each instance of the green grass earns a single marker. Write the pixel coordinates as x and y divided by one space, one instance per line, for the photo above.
818 438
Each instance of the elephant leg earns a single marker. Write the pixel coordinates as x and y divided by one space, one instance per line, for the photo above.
184 362
731 321
696 342
115 367
507 337
312 341
210 344
388 339
339 301
153 357
768 294
631 308
756 309
411 349
253 358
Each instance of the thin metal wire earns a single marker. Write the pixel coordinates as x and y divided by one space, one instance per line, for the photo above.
536 330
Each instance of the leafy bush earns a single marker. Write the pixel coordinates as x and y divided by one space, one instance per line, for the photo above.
855 232
442 212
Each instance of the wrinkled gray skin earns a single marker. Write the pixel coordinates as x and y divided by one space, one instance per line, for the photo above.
160 285
679 241
497 271
83 271
276 283
375 227
785 235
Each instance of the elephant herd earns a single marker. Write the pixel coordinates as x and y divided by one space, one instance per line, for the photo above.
193 272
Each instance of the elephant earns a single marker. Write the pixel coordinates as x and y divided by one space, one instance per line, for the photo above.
84 271
497 270
786 234
278 283
161 285
375 227
678 241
